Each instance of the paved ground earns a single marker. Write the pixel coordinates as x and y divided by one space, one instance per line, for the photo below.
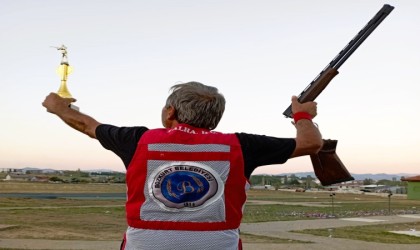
281 229
276 229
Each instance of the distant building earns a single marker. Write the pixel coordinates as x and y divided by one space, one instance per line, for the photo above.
413 187
17 177
349 186
40 179
373 188
8 170
269 187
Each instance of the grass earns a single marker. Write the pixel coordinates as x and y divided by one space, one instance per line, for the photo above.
86 223
62 219
96 219
297 206
37 187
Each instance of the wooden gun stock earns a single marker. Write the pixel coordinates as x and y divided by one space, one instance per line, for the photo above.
327 165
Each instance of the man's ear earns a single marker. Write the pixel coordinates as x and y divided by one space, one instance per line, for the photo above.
171 113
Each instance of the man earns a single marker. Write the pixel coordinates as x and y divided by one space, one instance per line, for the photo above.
186 184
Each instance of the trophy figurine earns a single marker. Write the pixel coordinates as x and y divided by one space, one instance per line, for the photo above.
63 71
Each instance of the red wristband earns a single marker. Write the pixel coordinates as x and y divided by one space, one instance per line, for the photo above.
301 115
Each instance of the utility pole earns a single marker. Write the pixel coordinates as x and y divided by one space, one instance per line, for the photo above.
389 202
332 195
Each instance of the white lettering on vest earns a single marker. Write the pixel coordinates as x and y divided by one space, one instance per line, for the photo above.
159 178
201 171
184 129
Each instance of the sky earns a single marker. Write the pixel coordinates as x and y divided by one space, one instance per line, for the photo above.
127 54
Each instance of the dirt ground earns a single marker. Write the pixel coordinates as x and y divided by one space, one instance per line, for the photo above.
279 229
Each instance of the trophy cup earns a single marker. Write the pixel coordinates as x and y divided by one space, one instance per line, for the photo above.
63 71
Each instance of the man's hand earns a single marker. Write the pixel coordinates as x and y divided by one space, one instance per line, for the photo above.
308 107
56 104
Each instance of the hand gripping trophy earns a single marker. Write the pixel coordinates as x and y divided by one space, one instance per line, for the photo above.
63 71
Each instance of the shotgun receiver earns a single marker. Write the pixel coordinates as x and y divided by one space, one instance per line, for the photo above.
327 165
331 70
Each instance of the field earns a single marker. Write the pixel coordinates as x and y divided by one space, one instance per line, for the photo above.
312 205
88 219
104 219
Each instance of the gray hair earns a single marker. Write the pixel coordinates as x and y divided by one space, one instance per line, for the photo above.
196 104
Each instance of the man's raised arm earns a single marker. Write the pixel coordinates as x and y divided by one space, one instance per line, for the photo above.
79 121
308 138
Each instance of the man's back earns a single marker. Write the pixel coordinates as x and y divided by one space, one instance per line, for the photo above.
193 182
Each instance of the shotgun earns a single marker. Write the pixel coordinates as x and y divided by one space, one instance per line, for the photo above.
327 165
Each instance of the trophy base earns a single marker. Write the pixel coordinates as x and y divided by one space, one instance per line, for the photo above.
74 107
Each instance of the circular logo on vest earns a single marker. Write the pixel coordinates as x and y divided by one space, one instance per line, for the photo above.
185 186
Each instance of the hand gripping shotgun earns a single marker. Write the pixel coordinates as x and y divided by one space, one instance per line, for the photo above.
327 165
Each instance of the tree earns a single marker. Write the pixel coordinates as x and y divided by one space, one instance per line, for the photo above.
384 182
294 182
56 179
368 181
75 180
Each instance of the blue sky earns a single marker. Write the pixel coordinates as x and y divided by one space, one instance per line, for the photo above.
127 54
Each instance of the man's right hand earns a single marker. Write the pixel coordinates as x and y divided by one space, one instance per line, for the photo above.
308 107
55 104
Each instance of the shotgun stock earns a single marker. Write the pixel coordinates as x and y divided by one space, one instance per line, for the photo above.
328 167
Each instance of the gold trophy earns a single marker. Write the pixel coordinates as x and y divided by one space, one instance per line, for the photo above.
63 71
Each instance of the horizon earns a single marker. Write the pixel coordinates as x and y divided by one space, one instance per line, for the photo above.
126 56
111 170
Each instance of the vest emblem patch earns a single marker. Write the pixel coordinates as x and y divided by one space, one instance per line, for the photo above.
185 186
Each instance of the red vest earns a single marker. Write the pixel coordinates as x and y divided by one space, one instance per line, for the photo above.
186 178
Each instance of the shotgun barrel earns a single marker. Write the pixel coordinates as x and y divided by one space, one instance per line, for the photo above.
331 70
